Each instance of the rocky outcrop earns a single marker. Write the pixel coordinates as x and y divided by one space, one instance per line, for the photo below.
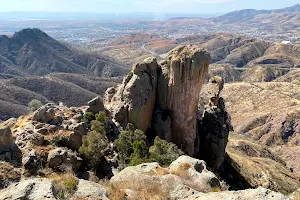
95 105
44 114
213 126
5 138
185 176
163 97
62 156
134 100
251 194
31 189
89 191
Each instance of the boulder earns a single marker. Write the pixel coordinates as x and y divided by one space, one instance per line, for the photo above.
62 156
183 178
30 136
89 191
30 189
44 114
6 139
95 105
134 100
73 140
213 127
250 194
56 157
30 161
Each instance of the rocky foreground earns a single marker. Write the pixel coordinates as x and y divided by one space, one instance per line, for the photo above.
108 151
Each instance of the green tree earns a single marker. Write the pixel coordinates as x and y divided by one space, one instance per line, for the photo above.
124 143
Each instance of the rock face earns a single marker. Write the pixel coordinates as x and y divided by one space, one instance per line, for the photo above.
134 100
251 194
163 97
5 138
185 177
44 114
95 105
31 189
213 127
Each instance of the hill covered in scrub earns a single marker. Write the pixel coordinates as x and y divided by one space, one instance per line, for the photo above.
31 52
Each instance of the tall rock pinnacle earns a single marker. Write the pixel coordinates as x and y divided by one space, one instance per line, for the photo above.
163 97
179 85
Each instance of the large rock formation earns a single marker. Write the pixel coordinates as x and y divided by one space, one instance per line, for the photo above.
213 126
179 85
163 97
133 101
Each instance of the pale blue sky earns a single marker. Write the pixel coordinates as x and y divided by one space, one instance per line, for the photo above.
125 6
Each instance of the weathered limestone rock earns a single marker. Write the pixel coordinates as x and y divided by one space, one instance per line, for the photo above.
44 114
59 156
31 189
134 100
179 85
89 191
213 127
183 178
251 194
30 161
95 105
5 138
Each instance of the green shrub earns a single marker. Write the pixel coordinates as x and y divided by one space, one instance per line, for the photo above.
94 144
34 104
124 143
101 117
88 117
140 153
163 152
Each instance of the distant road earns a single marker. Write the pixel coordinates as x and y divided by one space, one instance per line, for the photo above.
144 48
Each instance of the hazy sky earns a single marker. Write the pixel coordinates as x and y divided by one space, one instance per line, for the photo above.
122 6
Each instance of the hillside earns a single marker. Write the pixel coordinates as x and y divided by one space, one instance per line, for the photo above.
31 52
70 89
243 16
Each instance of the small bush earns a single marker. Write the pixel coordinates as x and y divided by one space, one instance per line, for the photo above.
34 104
140 153
88 117
64 185
93 148
163 152
124 143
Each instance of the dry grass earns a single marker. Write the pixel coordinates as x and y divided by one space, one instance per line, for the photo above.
146 190
8 174
64 184
182 171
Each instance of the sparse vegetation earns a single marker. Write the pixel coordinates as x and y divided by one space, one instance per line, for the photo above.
34 104
88 117
64 185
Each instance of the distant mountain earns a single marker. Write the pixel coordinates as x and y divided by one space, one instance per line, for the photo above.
32 52
248 14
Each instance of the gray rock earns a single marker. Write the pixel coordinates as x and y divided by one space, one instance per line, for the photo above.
63 156
30 161
89 191
213 127
30 189
56 157
250 194
44 114
30 136
81 128
95 105
72 141
5 139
